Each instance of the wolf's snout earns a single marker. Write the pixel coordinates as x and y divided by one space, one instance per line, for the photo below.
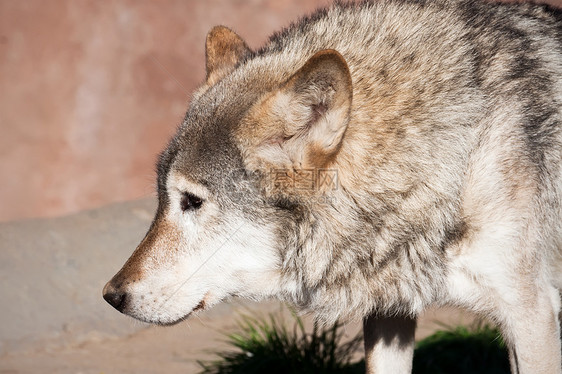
114 297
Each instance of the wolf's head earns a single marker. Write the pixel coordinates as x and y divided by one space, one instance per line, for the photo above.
234 181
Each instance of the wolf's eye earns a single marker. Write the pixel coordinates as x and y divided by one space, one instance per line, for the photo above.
190 202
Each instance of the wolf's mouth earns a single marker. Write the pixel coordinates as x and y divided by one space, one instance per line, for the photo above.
200 306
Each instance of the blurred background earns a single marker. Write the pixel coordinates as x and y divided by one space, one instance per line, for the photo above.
90 91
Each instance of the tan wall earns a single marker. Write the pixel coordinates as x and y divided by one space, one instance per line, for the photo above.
91 90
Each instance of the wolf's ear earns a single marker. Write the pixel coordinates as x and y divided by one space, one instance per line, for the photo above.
223 50
315 105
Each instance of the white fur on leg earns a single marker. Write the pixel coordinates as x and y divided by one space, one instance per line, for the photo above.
513 363
535 338
389 344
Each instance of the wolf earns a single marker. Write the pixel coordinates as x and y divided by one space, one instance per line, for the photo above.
369 161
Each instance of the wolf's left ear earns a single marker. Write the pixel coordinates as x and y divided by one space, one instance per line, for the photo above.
315 105
223 50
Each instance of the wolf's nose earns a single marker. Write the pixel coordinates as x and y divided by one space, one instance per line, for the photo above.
114 297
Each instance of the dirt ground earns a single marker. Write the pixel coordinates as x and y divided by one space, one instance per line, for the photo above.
54 319
150 349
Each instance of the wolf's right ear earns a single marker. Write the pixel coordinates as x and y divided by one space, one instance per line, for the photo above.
309 113
223 50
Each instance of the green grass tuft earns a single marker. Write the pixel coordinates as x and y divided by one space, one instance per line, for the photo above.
267 346
462 351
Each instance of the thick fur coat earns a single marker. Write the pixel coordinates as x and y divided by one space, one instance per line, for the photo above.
371 159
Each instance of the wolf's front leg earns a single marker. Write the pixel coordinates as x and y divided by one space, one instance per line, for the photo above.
532 329
389 344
